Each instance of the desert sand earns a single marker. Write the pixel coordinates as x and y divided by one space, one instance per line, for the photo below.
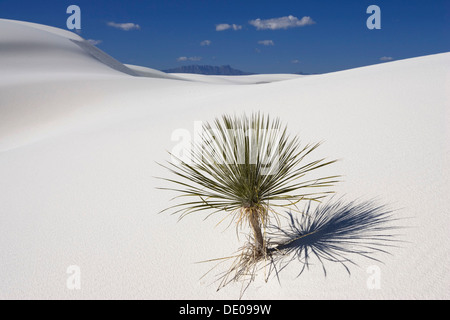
80 135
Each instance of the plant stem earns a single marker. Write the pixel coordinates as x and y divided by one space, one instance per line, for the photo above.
256 226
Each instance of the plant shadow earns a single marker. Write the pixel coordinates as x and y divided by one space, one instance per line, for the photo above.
333 232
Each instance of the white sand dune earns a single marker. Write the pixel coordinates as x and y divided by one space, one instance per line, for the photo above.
248 79
79 141
151 73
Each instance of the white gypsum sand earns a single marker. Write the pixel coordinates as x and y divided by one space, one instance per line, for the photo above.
79 141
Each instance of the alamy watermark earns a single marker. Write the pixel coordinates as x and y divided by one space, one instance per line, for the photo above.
374 280
225 146
374 21
74 20
73 281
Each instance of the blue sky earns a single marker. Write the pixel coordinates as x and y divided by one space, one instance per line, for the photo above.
321 36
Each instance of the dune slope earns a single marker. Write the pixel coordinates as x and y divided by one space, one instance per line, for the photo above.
79 143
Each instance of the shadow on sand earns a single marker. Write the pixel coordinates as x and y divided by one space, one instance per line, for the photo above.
334 232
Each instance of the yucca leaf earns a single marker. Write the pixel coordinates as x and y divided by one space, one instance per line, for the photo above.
243 162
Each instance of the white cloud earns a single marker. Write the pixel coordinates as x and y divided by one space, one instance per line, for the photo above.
295 61
266 42
205 43
189 59
222 27
386 59
94 42
226 26
281 23
124 26
236 27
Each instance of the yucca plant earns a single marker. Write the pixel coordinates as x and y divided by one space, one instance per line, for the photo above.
246 167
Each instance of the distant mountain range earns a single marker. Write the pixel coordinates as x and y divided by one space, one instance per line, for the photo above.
215 70
305 73
208 70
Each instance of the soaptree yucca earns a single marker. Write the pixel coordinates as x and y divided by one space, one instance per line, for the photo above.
246 167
